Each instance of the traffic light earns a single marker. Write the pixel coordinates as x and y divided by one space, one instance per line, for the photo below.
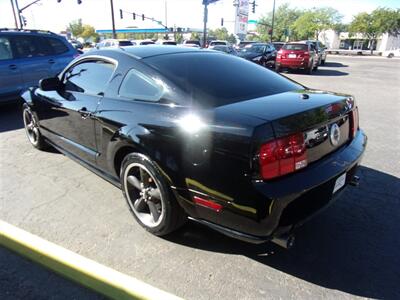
142 17
79 1
121 15
134 16
253 6
222 21
24 20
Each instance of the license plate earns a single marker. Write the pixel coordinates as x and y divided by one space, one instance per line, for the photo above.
339 183
292 55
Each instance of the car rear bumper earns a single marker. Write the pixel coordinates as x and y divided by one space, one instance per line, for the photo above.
292 63
293 199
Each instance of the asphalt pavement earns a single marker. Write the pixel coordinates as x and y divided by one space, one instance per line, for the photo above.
351 249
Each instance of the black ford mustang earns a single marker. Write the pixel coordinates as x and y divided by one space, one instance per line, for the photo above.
193 133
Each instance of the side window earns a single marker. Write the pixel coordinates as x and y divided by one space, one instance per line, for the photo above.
107 44
5 49
140 87
58 47
89 77
27 46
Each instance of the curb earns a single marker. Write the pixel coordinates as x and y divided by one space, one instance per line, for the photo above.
75 267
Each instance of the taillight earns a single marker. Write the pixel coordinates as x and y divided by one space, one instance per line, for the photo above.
354 122
282 156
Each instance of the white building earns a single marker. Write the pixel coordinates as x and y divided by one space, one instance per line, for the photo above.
343 40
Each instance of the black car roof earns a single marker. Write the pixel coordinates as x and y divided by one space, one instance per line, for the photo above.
154 50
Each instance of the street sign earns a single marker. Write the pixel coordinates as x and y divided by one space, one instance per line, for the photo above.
206 2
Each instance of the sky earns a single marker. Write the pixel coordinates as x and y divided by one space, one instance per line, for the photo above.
50 15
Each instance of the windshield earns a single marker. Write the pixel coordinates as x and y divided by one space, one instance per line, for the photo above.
217 43
199 75
254 48
303 47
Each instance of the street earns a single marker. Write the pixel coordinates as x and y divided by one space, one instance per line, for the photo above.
351 249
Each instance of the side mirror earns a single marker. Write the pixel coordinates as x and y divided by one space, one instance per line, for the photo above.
49 84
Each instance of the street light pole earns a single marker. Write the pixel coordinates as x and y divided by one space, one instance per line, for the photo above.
205 24
114 35
273 19
15 16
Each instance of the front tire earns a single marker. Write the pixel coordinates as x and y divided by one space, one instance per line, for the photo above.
32 129
149 197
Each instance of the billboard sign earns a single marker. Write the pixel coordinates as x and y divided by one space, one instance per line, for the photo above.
242 17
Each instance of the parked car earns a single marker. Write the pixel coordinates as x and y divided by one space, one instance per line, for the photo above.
164 42
391 53
76 44
224 48
218 139
243 44
320 49
27 56
146 42
278 45
191 43
218 42
113 43
298 55
261 53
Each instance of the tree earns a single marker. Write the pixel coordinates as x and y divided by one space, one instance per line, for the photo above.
313 21
88 32
283 23
76 28
219 33
378 22
195 36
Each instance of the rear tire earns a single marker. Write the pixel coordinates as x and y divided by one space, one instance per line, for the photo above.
391 55
149 197
32 130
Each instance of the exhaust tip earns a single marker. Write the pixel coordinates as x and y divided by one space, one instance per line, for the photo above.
285 241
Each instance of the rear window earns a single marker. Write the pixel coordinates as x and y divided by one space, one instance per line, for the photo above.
213 79
303 47
125 43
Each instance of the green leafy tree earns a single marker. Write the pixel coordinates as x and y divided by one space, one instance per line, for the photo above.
231 39
179 38
88 32
283 23
195 36
313 21
378 22
219 33
76 28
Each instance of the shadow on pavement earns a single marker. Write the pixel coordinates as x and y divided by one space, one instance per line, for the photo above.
329 72
11 117
353 246
22 279
334 64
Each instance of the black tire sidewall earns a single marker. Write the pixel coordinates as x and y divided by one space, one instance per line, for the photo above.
170 205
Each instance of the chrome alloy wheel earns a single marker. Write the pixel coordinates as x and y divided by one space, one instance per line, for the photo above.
144 195
31 127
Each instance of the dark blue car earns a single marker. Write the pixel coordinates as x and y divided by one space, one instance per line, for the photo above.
26 56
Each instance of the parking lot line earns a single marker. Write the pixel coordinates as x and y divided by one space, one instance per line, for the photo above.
84 271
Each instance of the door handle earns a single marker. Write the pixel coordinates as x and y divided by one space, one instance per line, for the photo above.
51 61
84 113
13 67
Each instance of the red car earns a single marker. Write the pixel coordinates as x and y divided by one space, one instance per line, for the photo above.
297 56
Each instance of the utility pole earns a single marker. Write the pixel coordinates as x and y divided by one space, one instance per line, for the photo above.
15 16
205 24
273 19
114 35
19 14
